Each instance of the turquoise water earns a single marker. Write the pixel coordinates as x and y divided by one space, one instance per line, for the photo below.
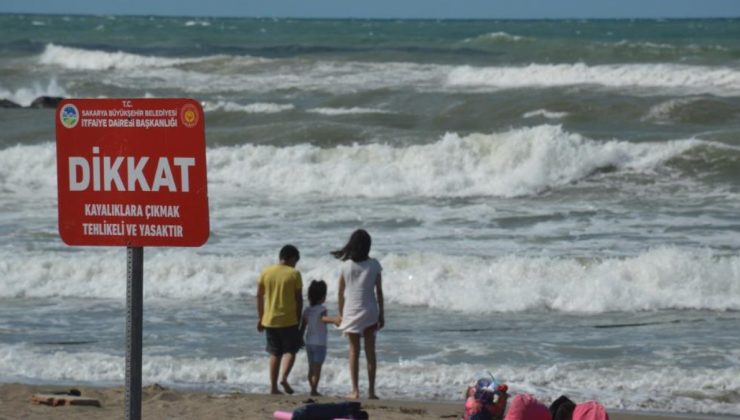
554 201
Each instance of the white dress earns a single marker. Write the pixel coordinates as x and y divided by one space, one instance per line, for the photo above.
360 303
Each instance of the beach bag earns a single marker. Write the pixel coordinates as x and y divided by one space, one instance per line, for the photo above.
590 410
562 408
485 399
330 411
526 407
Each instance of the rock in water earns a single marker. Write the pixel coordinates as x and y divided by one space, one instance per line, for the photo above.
46 102
4 103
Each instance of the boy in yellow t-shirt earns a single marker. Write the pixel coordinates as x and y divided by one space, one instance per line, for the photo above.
279 305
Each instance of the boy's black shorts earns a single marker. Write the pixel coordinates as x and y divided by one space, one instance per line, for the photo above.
283 340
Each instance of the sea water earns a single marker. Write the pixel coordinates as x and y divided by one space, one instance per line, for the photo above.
553 201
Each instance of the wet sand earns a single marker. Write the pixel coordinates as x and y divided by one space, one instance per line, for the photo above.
161 403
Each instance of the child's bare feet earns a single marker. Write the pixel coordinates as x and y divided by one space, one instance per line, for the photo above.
315 394
286 387
275 391
354 395
372 396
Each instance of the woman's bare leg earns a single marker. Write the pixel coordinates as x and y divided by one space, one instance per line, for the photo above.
354 364
371 362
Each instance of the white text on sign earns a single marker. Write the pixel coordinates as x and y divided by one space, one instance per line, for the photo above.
104 172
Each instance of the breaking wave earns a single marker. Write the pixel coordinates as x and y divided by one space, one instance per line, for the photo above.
347 111
495 37
550 115
662 278
694 79
519 162
82 59
229 73
254 108
349 76
514 163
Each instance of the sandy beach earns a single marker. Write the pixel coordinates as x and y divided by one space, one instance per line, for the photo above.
161 403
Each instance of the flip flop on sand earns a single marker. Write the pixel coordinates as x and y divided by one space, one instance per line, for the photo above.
72 392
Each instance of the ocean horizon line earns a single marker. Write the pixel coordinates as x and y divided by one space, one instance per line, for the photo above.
385 19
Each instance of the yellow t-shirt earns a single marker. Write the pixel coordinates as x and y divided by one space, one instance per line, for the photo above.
281 283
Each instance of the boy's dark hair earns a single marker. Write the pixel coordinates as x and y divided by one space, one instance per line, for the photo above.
357 248
316 292
289 252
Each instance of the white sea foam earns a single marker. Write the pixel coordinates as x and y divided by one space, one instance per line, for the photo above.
169 275
150 72
684 78
26 169
513 163
518 162
202 23
550 115
626 387
644 45
25 95
304 75
496 36
354 76
253 108
347 111
504 35
661 113
82 59
656 279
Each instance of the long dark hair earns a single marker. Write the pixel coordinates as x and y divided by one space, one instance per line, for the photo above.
357 248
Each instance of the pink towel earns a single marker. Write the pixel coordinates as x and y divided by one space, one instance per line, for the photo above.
282 415
526 407
590 410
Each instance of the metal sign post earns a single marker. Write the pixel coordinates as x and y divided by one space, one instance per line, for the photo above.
134 327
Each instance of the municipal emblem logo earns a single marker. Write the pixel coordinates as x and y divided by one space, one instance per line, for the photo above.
189 115
69 116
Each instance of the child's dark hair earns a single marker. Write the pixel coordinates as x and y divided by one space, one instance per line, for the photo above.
316 292
289 252
357 248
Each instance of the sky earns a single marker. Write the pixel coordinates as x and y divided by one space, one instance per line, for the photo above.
434 9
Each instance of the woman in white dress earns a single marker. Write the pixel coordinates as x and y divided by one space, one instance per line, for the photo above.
360 305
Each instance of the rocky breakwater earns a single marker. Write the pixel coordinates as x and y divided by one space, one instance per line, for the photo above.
40 102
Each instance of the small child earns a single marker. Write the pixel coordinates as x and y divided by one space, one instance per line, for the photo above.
313 325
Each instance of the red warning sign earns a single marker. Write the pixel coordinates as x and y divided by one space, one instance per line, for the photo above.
132 172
